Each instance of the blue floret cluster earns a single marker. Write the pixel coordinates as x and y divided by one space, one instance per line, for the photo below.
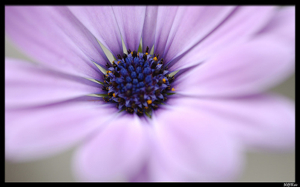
137 82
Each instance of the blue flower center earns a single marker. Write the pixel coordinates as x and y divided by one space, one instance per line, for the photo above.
137 82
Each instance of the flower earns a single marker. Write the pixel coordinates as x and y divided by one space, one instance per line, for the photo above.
217 60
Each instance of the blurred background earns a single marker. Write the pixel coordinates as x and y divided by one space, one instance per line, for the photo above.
259 166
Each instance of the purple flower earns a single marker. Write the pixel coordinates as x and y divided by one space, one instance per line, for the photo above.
184 113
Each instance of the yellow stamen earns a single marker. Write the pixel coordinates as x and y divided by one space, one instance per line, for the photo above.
146 107
173 89
131 52
108 72
146 53
149 102
138 54
164 80
155 59
119 62
114 95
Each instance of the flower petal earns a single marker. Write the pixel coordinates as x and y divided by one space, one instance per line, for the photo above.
282 27
244 69
130 21
265 122
100 21
79 34
114 154
27 84
196 23
35 32
242 24
148 34
165 19
190 147
43 131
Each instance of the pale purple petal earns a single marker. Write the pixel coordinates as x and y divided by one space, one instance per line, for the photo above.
100 21
191 147
148 34
78 33
130 20
115 154
282 27
43 131
196 23
265 122
165 18
239 27
142 175
28 84
35 32
244 69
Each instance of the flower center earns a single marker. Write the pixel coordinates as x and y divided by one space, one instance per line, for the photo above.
137 82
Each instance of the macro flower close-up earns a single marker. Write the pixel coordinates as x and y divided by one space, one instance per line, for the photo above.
149 93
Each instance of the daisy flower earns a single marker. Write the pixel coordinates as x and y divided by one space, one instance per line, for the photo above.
181 102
